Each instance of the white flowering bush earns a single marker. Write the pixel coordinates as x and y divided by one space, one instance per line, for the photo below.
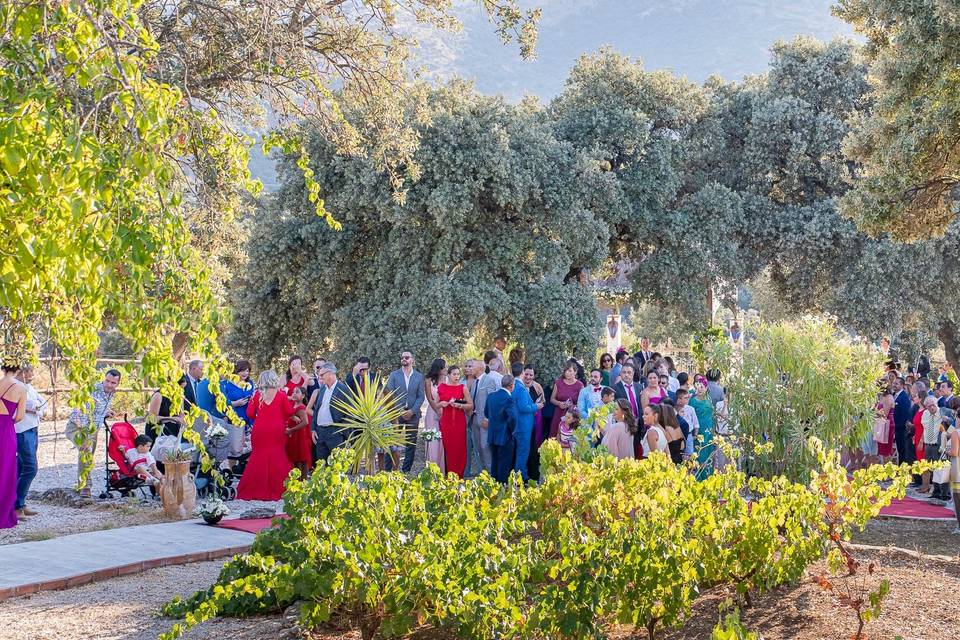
799 380
211 507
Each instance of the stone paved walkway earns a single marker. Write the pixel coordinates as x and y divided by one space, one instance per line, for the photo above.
81 558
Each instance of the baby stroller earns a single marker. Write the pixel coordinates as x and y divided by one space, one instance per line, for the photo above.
121 477
230 467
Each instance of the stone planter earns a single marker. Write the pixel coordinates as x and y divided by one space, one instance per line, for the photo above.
178 491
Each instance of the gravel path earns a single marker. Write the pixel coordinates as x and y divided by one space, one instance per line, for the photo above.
124 608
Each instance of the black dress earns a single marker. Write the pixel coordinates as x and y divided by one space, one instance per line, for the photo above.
676 450
166 425
533 460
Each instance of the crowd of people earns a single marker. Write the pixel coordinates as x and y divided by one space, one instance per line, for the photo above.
916 419
489 415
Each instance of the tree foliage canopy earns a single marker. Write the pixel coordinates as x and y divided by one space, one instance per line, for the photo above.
908 142
486 237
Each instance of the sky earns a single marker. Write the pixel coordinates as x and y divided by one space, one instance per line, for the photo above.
693 38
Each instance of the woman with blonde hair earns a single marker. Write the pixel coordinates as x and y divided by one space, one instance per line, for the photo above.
268 467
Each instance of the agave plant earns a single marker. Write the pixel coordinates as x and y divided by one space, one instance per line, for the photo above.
372 422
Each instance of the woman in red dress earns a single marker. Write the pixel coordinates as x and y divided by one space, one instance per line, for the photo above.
566 390
299 440
295 376
268 466
455 402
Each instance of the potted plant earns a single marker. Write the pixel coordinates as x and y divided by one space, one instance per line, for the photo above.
215 433
212 510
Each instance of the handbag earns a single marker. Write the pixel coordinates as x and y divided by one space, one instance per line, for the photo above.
941 475
881 430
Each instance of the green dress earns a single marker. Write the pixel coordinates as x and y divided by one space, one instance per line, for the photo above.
706 447
605 377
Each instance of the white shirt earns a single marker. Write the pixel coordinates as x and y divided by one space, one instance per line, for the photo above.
406 379
132 456
690 415
324 418
34 403
673 385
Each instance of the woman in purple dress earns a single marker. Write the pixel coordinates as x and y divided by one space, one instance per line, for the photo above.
13 404
566 390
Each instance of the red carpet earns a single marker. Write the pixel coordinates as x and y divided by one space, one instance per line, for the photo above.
916 509
255 525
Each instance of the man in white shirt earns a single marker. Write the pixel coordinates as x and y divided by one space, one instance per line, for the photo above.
27 437
324 413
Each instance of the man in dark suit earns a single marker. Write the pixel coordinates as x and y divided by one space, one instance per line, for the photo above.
946 394
360 375
326 414
406 384
194 376
902 414
628 389
501 414
644 354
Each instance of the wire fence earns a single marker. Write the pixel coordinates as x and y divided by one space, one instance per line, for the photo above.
50 380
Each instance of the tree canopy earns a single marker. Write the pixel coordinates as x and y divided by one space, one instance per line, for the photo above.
486 238
125 157
907 143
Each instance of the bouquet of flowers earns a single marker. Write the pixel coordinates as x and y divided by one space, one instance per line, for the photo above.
215 432
211 509
429 435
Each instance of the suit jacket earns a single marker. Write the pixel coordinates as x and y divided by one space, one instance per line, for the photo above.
189 395
489 383
641 360
526 407
501 411
410 397
340 392
620 391
585 401
902 409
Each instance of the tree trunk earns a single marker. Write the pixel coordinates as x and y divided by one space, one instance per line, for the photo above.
179 346
950 337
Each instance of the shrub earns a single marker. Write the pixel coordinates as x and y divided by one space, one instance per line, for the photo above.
596 544
799 380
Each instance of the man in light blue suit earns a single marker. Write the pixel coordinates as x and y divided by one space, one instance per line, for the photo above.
526 408
590 395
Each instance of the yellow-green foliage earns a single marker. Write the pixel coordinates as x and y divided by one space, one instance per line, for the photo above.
798 380
596 544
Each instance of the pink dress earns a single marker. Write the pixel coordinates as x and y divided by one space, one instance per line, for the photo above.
431 422
8 466
885 449
660 398
564 392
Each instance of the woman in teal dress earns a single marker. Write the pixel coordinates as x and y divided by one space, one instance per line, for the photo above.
703 406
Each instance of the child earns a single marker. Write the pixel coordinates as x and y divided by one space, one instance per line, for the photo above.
299 439
568 424
143 462
607 396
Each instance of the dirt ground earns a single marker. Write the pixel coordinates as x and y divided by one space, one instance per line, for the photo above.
126 607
